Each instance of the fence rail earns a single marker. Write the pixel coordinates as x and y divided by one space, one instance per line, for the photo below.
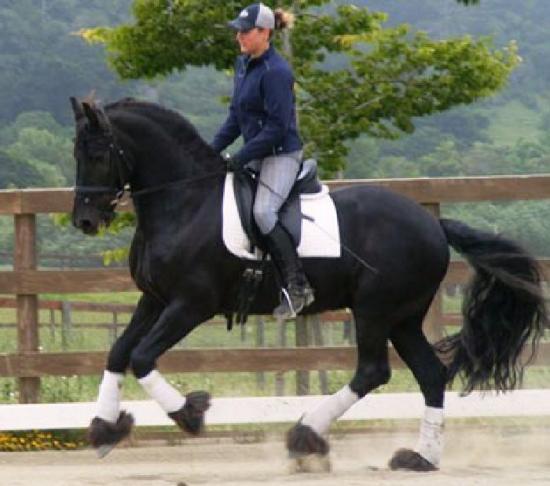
209 360
26 282
62 260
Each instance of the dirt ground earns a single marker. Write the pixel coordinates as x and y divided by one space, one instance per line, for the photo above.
495 456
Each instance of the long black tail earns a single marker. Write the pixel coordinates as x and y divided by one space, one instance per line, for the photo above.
503 308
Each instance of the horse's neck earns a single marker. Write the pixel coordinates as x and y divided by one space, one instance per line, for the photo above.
193 204
157 157
174 176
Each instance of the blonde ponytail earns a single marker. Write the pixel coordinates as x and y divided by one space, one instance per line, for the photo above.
283 19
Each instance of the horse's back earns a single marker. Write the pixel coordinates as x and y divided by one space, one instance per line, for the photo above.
394 234
375 208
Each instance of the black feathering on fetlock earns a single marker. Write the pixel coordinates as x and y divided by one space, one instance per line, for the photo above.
102 432
190 417
302 440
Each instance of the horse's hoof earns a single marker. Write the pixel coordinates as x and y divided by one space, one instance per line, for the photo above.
311 463
411 461
307 450
302 440
190 417
104 436
104 449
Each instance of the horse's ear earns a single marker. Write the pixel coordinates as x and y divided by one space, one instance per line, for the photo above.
97 118
77 108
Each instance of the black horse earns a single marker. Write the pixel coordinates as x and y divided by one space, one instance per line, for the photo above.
179 261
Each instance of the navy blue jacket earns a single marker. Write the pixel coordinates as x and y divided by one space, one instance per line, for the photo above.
262 109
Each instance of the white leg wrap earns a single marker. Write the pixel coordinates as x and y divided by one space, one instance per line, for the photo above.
108 400
430 441
330 409
160 390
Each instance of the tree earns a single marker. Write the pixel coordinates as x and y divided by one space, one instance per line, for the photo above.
47 154
13 174
43 62
354 75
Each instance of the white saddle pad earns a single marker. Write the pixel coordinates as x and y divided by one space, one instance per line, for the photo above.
320 236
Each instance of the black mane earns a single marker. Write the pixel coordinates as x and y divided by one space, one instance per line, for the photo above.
172 122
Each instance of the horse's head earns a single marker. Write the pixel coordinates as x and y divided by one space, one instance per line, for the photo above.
99 179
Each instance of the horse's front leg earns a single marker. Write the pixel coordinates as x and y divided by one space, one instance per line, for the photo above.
110 425
175 322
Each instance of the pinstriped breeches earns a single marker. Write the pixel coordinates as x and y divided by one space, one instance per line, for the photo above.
277 176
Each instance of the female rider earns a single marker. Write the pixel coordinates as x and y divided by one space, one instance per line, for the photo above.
263 111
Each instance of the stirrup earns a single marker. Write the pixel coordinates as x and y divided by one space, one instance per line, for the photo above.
290 306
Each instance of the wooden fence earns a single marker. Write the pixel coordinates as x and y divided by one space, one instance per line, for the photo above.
26 282
62 260
114 317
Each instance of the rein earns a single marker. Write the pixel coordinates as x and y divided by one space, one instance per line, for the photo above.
123 169
180 182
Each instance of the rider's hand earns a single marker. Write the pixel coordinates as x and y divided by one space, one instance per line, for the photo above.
233 164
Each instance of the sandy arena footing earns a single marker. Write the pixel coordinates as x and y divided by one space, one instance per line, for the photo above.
507 456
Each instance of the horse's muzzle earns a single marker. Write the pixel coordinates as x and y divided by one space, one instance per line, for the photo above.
86 225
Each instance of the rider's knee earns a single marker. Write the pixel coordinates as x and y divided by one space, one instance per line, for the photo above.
265 219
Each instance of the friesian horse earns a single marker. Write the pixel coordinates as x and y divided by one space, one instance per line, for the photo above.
186 275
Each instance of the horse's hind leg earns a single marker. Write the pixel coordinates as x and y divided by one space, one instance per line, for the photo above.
413 347
110 425
373 370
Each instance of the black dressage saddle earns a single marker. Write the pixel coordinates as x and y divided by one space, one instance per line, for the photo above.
245 183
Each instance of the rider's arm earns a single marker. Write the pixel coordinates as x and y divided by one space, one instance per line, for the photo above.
277 87
228 132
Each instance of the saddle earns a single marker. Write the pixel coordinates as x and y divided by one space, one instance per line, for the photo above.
245 183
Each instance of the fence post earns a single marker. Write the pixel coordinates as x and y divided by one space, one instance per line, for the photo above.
113 334
302 340
280 375
27 304
318 340
52 324
260 343
349 331
433 323
65 323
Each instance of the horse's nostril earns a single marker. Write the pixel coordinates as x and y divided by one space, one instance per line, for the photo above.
84 224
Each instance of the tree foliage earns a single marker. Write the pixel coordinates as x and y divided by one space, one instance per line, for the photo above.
354 74
43 62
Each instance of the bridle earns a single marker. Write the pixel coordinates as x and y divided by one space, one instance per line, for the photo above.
120 170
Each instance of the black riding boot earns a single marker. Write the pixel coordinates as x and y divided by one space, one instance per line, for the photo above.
298 293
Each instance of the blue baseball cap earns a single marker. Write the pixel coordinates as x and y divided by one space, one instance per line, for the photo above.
255 15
